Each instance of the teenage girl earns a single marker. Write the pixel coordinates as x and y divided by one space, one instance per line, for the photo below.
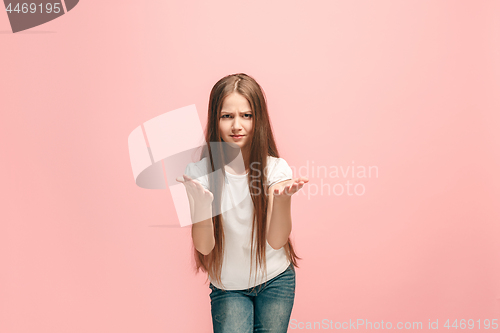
252 282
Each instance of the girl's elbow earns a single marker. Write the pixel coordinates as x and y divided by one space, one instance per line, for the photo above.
205 250
278 241
276 245
205 253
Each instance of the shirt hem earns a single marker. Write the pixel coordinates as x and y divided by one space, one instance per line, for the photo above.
269 277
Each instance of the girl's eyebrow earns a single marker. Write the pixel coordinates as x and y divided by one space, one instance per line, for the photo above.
240 112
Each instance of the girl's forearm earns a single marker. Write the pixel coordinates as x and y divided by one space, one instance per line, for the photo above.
203 232
280 225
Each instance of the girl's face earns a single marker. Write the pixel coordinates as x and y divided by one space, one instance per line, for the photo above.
236 119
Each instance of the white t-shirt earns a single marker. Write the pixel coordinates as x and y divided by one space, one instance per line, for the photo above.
237 223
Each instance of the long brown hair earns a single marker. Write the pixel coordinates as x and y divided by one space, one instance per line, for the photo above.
262 145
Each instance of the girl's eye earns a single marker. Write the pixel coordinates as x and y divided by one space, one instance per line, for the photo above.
248 115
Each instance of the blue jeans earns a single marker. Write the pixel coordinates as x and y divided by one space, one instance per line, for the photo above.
265 309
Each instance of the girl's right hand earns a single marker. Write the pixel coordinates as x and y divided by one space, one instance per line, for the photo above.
197 194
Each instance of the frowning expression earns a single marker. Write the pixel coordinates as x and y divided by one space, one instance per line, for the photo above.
236 121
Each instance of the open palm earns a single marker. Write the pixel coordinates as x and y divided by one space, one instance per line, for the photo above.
289 188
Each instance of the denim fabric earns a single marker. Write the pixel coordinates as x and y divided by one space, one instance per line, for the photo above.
264 308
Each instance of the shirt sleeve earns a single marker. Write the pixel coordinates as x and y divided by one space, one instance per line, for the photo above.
279 172
193 171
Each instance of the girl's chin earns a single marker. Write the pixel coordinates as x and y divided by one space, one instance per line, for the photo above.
234 144
231 144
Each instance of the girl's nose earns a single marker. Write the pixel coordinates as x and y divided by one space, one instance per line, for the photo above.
236 124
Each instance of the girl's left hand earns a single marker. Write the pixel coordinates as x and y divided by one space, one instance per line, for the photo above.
290 187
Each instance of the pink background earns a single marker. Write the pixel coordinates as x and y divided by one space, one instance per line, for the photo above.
408 86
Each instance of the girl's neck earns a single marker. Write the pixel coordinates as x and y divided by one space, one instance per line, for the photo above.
240 165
